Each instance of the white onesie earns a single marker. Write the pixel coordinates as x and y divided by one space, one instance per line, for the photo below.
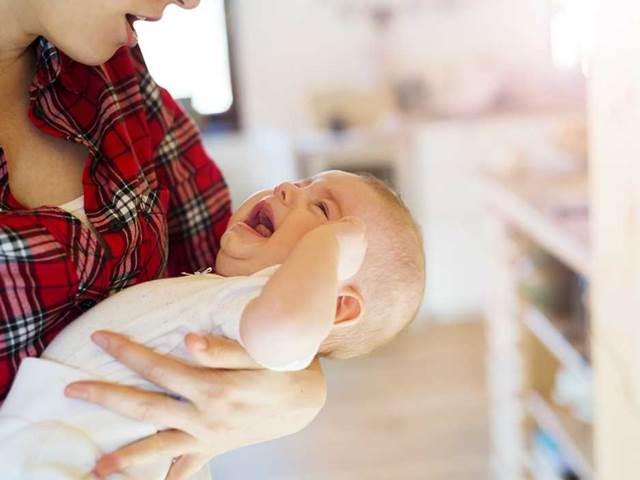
45 435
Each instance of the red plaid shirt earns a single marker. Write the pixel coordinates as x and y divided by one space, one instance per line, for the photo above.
157 201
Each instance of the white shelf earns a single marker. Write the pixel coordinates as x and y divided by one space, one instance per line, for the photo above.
523 207
545 331
574 438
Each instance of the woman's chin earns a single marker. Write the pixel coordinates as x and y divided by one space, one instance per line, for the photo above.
98 59
91 56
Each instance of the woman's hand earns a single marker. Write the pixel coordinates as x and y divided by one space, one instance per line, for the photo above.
228 402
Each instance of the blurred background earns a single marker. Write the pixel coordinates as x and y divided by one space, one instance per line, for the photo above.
474 110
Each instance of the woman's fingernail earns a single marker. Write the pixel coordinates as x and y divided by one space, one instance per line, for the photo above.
198 342
75 391
106 465
100 339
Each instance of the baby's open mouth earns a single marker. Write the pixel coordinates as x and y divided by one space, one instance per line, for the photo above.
261 219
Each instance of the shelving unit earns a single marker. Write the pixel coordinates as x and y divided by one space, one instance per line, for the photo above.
530 204
526 346
549 332
609 257
574 438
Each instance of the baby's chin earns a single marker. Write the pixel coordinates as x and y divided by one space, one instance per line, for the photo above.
225 266
228 266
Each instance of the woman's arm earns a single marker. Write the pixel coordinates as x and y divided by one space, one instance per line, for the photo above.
228 405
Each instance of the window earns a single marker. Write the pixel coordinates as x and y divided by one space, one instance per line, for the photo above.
188 53
573 33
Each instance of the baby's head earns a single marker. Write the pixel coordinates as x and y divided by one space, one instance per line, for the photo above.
390 283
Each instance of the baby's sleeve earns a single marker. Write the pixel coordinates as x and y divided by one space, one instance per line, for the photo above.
239 291
46 435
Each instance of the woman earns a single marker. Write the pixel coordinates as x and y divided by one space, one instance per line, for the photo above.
82 121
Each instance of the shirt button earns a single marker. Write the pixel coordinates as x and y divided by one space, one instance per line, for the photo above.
87 304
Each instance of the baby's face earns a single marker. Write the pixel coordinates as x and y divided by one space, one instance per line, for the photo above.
267 226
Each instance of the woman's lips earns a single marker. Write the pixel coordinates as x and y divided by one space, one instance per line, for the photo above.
132 36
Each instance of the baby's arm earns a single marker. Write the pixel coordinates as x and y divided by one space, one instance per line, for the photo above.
296 310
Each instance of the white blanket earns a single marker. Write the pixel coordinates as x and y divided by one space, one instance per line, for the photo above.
46 436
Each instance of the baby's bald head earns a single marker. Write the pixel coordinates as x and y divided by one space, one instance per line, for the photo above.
391 280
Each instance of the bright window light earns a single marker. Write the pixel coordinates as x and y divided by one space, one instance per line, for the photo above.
187 53
573 34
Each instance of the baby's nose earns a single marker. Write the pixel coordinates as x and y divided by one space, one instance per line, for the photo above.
286 192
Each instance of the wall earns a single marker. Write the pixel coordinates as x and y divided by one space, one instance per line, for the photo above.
252 161
288 50
445 200
457 50
615 141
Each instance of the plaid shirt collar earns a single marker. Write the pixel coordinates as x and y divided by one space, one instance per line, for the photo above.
51 65
47 65
156 202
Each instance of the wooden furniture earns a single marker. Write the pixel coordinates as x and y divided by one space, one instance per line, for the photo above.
527 348
615 192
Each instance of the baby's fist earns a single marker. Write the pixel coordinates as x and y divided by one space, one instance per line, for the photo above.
351 235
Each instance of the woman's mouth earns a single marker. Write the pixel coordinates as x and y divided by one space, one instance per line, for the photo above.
261 219
132 36
132 17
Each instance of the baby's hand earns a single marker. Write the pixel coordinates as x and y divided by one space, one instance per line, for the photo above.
350 232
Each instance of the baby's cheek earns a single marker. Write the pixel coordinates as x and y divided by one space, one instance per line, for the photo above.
288 235
224 240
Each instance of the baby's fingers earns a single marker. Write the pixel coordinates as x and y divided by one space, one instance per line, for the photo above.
351 235
163 445
218 352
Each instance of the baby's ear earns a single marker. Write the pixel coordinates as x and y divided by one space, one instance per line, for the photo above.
349 307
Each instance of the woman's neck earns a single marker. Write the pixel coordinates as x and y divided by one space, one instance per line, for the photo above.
19 30
16 59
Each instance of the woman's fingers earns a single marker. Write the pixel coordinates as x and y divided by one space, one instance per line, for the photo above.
151 407
218 352
167 444
187 466
162 370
